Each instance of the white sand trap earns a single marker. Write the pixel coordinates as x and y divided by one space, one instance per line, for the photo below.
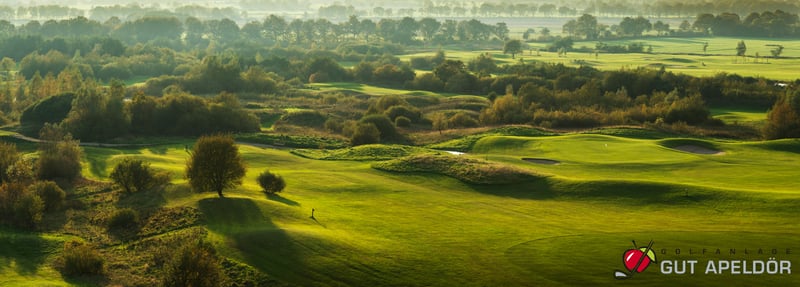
542 161
698 150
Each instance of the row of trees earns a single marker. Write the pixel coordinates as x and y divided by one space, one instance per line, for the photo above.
614 8
99 114
771 24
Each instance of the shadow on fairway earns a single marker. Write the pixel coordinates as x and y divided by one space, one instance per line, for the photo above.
263 245
278 198
25 252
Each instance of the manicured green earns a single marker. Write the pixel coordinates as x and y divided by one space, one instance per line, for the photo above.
379 228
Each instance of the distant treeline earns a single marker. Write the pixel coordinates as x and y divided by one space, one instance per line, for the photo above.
238 10
766 24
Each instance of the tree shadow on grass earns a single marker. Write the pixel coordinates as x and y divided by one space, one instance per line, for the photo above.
539 189
24 251
278 198
261 243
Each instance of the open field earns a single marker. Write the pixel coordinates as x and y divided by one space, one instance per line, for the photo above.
378 228
679 55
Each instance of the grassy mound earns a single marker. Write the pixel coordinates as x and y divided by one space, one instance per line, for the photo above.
364 152
462 168
466 143
298 141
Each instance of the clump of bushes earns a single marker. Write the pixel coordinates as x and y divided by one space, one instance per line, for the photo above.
271 183
135 175
81 259
194 265
51 194
123 218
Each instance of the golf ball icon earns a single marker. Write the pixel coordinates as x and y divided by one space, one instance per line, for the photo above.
636 260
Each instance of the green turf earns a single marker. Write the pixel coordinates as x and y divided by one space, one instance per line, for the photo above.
740 115
380 228
679 55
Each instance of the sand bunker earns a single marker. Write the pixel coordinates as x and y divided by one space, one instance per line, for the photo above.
542 161
698 150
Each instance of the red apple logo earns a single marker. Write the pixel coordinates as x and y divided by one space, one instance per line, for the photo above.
636 260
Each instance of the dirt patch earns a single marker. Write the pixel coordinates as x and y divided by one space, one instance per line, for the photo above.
542 161
698 150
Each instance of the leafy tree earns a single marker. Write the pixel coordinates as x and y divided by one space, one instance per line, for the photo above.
783 120
133 175
512 47
777 51
271 183
586 26
634 26
527 34
365 133
59 154
741 48
215 164
448 68
429 27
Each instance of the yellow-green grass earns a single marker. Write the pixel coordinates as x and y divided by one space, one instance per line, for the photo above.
376 228
740 115
679 55
752 166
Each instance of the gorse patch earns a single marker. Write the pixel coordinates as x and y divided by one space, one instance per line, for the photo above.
462 168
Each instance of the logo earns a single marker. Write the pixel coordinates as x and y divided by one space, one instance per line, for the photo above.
636 260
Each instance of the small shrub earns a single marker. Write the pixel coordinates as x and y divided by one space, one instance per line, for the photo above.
52 195
270 182
365 133
194 265
81 259
123 218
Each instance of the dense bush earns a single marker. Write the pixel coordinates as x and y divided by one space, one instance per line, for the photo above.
8 156
135 175
59 155
123 218
81 259
365 133
271 183
384 125
783 120
194 265
51 194
28 209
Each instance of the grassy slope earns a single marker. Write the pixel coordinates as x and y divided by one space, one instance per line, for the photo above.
378 228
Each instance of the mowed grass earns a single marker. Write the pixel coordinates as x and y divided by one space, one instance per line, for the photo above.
377 228
740 115
678 55
751 166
